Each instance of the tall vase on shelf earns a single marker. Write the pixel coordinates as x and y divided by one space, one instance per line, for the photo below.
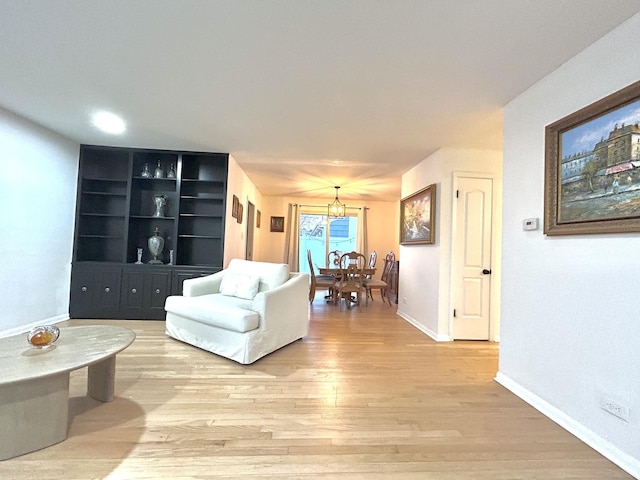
156 244
159 172
146 173
160 202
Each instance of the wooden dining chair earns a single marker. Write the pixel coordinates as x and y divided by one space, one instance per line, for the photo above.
373 258
382 284
333 258
351 280
319 281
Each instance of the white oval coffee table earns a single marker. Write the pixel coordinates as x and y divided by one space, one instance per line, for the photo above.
34 383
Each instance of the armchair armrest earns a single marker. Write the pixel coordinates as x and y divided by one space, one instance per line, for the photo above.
284 304
194 287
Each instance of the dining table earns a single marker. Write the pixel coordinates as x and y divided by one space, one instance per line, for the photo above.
335 271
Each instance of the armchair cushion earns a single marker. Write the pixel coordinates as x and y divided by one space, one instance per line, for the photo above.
240 285
230 313
271 275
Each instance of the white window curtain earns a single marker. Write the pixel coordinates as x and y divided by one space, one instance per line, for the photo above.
292 237
363 230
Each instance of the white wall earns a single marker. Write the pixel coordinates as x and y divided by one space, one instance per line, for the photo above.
38 174
570 310
425 280
235 234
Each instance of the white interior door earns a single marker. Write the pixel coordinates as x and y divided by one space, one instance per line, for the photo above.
471 264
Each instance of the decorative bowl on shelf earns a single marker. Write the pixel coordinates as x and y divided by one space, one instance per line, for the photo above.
43 336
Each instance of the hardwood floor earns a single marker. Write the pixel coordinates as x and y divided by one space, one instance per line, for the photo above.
364 396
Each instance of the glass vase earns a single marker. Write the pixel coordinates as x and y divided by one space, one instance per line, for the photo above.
156 244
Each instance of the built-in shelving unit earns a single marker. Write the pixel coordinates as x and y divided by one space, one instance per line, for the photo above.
117 213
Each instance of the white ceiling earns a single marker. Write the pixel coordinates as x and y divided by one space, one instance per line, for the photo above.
304 94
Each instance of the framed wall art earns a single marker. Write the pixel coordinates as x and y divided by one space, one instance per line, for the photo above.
277 224
240 211
234 207
417 217
592 168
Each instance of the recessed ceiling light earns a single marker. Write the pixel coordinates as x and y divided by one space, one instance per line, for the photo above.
108 122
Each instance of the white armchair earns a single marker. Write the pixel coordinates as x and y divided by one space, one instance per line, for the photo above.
258 308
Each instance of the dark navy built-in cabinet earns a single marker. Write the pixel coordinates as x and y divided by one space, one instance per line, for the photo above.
117 212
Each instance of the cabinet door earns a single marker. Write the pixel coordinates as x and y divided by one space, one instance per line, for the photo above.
95 291
158 290
108 290
132 289
83 286
144 290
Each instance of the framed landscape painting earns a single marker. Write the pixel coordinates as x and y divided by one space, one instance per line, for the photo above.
592 168
417 217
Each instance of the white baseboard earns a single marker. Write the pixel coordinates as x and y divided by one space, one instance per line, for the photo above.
599 444
436 336
25 328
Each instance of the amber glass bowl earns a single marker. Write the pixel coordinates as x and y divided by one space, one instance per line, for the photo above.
43 336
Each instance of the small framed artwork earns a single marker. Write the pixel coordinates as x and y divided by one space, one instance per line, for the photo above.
417 217
234 207
592 168
277 224
240 211
258 215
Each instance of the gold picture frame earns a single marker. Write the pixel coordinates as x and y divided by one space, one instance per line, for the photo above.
417 217
592 168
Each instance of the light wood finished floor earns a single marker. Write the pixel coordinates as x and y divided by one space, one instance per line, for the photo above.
364 396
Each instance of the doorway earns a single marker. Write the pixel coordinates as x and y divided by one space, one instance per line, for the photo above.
251 220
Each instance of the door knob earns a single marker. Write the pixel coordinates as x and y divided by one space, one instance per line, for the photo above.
486 272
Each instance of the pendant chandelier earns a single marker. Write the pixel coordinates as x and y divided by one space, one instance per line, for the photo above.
337 209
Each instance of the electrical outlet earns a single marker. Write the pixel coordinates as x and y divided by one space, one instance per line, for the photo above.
404 300
616 408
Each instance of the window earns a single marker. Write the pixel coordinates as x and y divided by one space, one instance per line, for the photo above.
322 234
